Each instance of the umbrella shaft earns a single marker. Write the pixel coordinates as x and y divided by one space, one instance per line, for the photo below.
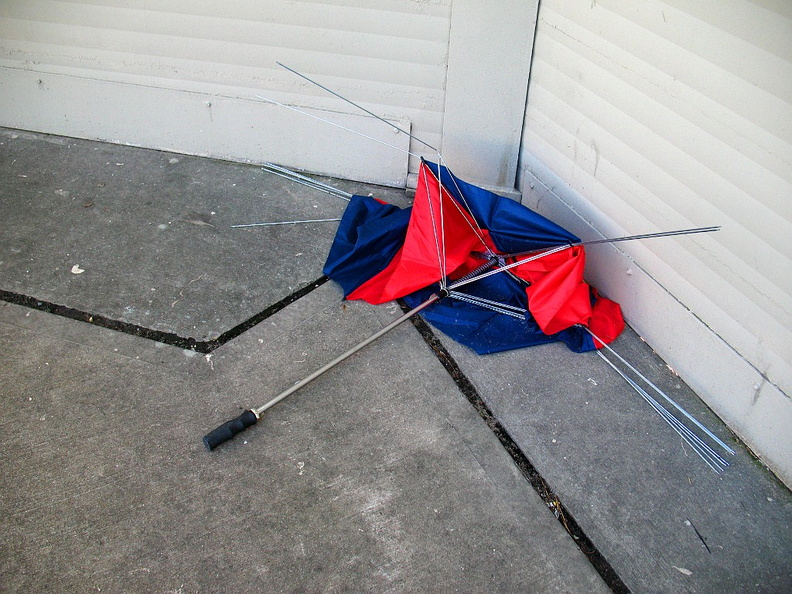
258 411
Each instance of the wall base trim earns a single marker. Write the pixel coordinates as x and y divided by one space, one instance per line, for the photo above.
230 127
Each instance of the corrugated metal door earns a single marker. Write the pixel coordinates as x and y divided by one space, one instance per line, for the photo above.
646 116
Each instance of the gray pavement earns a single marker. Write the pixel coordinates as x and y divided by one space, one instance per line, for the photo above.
379 476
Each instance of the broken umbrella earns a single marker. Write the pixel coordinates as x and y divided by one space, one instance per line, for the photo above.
486 270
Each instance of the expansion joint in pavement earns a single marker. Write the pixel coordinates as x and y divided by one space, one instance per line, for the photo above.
526 467
169 338
522 462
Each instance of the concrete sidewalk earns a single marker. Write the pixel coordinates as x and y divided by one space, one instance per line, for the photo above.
379 476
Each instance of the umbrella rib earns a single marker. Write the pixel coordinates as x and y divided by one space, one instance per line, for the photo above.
275 223
437 239
336 124
503 308
443 252
705 452
624 238
466 213
360 107
478 230
307 184
667 398
305 180
653 235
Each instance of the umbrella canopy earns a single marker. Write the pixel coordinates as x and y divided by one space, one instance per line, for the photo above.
523 278
456 232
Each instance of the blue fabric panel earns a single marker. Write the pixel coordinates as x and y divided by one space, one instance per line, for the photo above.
481 329
512 226
369 236
486 331
371 233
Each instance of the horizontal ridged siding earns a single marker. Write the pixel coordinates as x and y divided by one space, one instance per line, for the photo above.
666 115
389 56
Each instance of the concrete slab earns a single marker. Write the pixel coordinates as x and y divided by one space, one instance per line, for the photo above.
378 478
152 233
664 520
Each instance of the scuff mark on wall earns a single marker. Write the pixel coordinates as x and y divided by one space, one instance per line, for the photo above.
595 148
758 390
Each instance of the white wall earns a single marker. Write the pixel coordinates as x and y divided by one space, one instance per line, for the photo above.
489 59
664 115
183 75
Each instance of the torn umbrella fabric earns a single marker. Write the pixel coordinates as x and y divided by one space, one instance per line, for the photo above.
382 252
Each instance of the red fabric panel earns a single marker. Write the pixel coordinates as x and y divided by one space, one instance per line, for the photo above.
606 321
558 297
416 265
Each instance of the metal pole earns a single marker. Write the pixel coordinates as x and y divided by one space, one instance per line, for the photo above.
360 107
625 238
305 180
258 411
274 223
230 428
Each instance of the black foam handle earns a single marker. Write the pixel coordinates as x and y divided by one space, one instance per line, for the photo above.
228 429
